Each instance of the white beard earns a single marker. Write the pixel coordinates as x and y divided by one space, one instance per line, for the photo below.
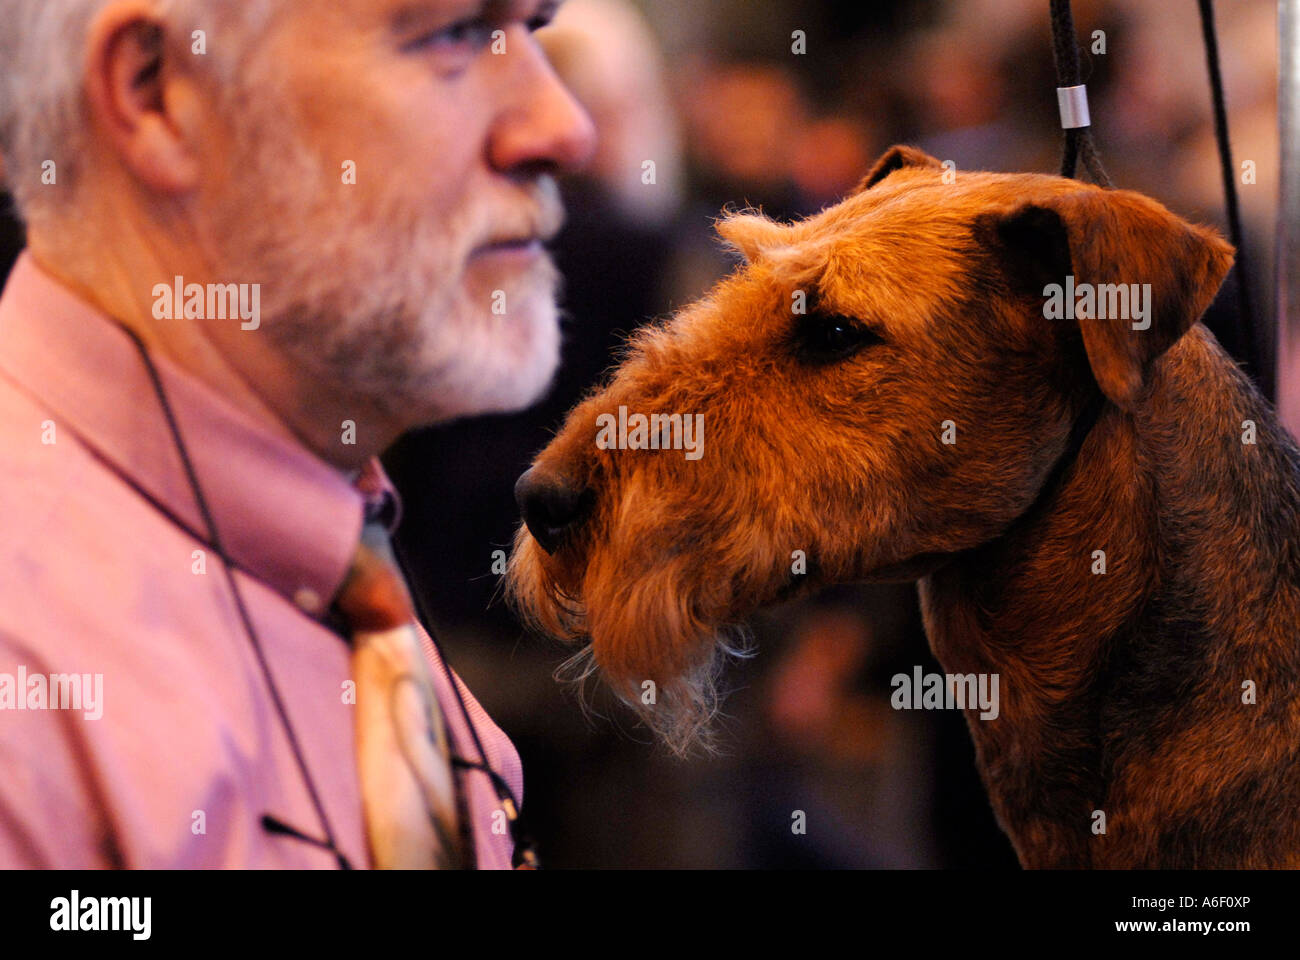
373 303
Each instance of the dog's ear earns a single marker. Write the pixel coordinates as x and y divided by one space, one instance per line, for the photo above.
895 158
1112 237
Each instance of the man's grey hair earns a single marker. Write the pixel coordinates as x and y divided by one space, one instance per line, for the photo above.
42 104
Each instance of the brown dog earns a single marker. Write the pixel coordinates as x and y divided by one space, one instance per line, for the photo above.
1100 507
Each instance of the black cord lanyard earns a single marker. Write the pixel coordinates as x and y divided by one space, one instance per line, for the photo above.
1248 333
1070 90
214 539
524 855
1251 342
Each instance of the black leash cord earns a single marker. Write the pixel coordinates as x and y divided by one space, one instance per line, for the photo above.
1245 313
1078 140
214 539
1079 145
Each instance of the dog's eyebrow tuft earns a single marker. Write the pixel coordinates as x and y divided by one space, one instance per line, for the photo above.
794 267
753 234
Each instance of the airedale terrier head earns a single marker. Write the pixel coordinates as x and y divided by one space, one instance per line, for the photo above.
878 387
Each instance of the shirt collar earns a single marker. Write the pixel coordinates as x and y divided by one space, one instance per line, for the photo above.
383 504
284 515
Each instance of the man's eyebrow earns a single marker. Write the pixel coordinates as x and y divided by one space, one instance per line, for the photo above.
523 9
422 13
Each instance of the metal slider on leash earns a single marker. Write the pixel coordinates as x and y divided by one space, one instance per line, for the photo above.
1073 102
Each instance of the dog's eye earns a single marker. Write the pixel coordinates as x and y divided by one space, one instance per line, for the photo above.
826 337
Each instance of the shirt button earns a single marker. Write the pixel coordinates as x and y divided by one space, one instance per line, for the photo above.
308 600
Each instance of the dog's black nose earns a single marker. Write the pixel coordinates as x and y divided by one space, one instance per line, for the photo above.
552 508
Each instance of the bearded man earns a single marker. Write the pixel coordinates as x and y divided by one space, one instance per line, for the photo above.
265 239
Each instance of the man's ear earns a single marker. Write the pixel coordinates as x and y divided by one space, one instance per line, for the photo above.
895 158
136 98
1105 238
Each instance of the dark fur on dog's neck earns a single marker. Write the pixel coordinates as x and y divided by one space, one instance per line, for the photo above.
1122 692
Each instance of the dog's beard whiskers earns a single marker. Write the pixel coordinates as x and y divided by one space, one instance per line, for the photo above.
578 668
577 671
582 673
570 613
649 628
658 641
538 599
684 716
686 711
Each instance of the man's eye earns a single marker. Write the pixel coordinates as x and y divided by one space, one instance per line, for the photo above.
824 338
463 36
544 17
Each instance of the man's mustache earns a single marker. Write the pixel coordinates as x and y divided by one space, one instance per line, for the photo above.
542 219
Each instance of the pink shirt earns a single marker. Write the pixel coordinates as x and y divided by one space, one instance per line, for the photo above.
99 584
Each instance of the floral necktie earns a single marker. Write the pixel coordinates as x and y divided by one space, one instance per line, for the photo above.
408 787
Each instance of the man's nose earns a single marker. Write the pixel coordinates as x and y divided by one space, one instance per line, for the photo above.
545 126
552 508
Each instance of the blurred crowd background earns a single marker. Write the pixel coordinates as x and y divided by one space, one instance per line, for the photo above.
711 92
